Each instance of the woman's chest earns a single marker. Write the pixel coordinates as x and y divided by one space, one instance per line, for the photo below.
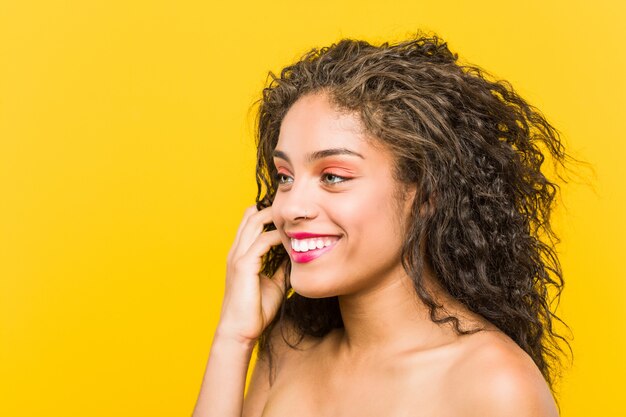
361 391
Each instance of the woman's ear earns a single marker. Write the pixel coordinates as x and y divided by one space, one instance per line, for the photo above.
428 207
408 195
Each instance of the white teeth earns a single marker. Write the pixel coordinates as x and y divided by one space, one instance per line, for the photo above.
305 245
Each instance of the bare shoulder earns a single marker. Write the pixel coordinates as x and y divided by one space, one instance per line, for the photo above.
495 377
288 345
286 348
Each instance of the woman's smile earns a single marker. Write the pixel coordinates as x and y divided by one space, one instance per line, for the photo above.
306 250
305 245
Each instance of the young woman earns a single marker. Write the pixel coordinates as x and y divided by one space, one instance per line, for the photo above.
399 257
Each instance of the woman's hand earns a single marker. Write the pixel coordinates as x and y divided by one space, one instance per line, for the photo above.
251 300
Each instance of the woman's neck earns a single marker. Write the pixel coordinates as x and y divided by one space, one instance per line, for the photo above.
390 318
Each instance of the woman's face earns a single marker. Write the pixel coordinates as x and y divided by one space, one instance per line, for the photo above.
351 237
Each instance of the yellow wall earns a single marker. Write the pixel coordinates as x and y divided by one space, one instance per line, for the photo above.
126 161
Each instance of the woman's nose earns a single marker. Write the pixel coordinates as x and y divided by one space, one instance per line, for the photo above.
297 203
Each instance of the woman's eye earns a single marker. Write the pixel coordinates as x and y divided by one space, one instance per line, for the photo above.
282 178
333 179
327 178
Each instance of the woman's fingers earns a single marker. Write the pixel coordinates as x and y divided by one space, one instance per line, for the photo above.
247 301
261 245
247 214
252 228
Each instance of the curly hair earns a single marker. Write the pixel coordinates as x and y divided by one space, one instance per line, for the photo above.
475 150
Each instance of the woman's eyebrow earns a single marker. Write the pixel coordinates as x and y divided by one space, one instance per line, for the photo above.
324 153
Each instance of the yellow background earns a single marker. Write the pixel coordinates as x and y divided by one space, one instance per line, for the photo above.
127 159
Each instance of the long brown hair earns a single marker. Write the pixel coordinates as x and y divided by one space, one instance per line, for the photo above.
475 148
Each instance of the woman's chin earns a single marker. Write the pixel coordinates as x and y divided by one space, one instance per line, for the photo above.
311 286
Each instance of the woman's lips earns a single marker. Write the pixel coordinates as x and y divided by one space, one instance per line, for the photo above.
308 256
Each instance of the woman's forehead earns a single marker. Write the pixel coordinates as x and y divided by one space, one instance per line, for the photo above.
313 124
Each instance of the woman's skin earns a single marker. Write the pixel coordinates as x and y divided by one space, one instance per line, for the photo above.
390 359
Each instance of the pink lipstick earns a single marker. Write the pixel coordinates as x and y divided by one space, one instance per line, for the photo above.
304 235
